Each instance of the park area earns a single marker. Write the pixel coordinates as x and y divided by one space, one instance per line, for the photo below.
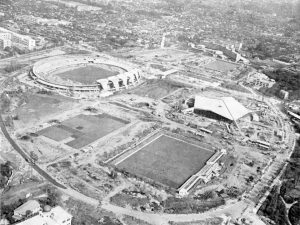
82 130
166 160
89 74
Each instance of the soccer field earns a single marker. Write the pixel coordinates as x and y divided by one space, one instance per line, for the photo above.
221 66
82 130
167 160
88 74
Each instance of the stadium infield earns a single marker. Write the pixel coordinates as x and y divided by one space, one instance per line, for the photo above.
166 160
82 130
88 74
221 65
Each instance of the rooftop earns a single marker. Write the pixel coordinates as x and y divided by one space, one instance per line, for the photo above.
29 205
226 107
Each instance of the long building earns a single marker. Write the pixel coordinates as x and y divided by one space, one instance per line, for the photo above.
56 216
17 40
210 170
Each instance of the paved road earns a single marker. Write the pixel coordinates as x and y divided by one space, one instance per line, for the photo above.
26 157
30 56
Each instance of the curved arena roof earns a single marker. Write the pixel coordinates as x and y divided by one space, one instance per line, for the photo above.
226 107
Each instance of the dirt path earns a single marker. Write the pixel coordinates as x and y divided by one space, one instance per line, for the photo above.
235 210
75 194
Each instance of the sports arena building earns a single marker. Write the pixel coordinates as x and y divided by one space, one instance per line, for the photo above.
225 108
116 74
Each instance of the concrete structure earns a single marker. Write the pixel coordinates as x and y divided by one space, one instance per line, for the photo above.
4 43
284 94
42 71
79 6
294 115
211 169
221 51
225 108
259 80
163 40
4 222
18 40
28 208
56 216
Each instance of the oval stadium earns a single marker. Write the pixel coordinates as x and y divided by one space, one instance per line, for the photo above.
84 73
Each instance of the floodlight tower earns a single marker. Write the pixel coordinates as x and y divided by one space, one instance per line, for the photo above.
163 40
162 44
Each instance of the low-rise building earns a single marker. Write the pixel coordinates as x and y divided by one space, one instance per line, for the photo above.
259 80
18 40
28 208
284 94
56 216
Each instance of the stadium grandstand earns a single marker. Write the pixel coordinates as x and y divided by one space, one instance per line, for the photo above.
210 170
122 75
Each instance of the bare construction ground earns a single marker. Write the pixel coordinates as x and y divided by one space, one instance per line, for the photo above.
40 106
82 130
156 89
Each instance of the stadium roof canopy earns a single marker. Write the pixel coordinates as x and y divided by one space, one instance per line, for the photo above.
226 107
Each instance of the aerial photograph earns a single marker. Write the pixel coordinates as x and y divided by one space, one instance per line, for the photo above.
150 112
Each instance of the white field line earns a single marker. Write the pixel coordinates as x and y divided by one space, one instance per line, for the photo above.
130 148
209 150
206 149
139 149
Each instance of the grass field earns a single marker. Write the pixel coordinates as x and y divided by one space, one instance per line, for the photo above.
39 106
221 66
156 89
167 160
88 74
82 130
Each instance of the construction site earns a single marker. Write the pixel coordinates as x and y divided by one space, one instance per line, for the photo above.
162 134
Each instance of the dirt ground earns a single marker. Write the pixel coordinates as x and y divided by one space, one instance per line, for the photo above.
155 89
39 107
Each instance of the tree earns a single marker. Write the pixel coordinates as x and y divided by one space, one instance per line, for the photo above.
6 169
34 156
28 213
53 197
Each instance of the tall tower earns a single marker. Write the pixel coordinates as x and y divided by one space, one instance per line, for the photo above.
162 44
240 46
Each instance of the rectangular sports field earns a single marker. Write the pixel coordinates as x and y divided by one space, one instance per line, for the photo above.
86 75
167 160
221 66
82 130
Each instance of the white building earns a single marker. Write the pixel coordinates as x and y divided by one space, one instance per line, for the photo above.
5 43
223 108
31 206
56 216
18 40
284 94
211 169
259 80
